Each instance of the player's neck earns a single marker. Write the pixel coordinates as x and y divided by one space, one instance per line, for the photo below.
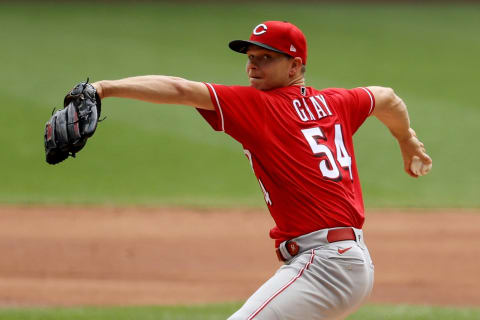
297 81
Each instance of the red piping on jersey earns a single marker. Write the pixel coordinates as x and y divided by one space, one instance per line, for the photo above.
256 312
218 105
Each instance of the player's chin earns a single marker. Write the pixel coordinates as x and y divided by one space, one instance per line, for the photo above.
258 83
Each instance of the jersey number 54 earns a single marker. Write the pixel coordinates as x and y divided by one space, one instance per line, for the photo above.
328 166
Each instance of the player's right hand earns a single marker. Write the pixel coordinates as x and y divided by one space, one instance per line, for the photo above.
410 147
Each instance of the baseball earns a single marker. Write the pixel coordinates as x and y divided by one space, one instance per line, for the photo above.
418 168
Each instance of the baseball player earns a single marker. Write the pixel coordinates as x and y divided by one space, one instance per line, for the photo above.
298 141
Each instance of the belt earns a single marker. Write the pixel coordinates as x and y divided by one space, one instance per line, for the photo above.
324 236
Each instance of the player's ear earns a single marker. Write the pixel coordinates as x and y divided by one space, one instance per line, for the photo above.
295 67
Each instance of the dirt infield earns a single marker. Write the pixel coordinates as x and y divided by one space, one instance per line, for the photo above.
132 256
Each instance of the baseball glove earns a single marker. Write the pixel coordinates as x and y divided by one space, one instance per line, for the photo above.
68 129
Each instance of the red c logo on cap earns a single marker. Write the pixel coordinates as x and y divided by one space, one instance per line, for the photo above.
260 29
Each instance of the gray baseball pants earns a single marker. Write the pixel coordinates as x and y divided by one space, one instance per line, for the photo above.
325 281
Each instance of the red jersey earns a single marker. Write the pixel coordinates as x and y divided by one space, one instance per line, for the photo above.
299 142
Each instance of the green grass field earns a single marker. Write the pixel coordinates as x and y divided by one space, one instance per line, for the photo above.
222 311
156 155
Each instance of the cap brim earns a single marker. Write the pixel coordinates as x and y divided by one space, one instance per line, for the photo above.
242 46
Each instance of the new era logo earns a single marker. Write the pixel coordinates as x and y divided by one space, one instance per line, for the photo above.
292 48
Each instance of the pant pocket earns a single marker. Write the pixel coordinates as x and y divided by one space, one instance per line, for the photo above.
347 253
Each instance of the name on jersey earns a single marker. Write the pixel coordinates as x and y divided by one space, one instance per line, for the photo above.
305 106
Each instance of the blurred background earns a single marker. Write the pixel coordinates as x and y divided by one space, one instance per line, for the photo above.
149 154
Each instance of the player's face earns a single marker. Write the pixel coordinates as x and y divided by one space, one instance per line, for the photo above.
267 69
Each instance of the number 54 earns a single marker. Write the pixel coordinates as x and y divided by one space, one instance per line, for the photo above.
328 166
